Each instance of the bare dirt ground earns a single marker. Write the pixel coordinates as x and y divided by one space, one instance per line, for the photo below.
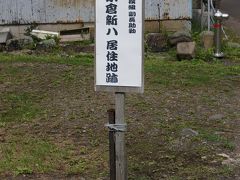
73 116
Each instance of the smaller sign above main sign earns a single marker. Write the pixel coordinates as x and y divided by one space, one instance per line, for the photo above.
119 45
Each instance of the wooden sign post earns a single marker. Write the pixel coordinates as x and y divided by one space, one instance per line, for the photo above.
119 55
121 158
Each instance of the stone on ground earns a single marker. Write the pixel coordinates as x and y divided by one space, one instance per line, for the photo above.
19 43
157 42
13 44
180 36
186 50
231 162
207 38
233 45
216 117
187 132
46 45
26 41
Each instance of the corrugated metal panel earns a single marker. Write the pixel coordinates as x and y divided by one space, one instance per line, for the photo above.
169 9
71 11
46 11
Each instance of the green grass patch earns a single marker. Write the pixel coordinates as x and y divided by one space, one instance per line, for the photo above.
81 43
202 172
215 138
79 59
158 70
19 108
24 155
187 73
77 166
233 53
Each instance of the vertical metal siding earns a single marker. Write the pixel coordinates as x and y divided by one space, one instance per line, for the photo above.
169 9
71 11
46 11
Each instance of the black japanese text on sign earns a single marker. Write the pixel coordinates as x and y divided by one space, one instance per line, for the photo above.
112 44
119 44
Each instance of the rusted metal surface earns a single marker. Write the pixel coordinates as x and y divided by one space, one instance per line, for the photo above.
74 11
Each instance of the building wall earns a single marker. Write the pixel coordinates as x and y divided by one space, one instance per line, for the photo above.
74 11
46 11
169 9
59 13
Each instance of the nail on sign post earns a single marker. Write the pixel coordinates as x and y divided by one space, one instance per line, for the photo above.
119 54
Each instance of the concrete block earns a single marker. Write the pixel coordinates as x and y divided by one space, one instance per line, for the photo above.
5 34
186 50
207 38
79 34
180 36
44 34
19 43
157 42
75 37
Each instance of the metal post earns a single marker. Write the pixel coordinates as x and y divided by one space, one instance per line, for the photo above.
209 15
218 30
112 147
218 39
121 159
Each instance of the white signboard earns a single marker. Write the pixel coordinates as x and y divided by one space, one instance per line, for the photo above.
119 45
